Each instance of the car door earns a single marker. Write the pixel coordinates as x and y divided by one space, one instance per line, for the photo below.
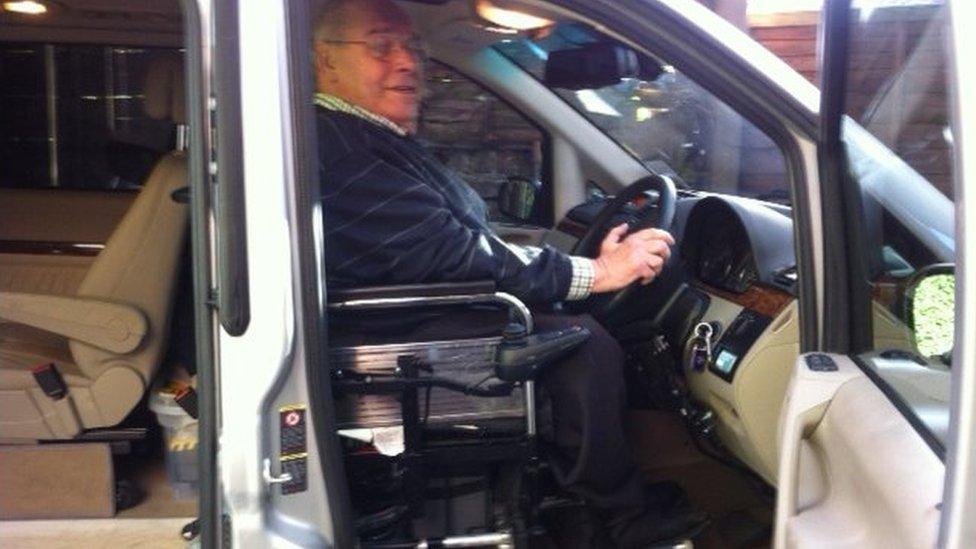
272 473
866 441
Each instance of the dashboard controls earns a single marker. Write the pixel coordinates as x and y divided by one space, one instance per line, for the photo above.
701 347
819 362
725 362
736 342
678 316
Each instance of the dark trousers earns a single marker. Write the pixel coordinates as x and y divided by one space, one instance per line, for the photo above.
591 455
589 452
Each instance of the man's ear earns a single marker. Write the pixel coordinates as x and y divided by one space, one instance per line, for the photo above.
323 59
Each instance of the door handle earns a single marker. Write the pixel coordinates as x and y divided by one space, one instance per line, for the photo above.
272 479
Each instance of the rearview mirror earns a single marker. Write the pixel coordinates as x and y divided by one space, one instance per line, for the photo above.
597 65
930 309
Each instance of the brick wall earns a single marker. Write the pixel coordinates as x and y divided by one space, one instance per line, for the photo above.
477 135
912 118
792 37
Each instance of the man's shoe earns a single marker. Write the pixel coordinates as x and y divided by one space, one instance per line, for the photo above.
645 528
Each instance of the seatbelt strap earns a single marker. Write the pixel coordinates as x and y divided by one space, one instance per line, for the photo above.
187 399
49 379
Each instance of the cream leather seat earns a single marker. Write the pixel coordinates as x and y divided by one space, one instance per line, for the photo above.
108 340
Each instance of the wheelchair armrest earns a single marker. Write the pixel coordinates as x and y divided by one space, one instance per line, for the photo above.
413 296
522 357
440 289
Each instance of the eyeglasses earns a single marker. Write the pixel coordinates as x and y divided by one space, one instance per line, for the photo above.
381 47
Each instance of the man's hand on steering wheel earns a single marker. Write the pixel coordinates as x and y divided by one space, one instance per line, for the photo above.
624 258
624 261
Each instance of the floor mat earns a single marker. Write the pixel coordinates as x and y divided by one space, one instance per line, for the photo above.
741 507
741 517
149 474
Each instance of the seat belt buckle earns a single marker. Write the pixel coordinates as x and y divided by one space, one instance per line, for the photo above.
187 399
49 379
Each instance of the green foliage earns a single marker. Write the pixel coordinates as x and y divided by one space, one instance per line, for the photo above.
934 314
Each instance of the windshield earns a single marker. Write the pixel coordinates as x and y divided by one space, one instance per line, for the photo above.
669 123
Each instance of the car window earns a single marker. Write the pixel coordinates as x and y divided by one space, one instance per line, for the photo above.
669 123
483 139
899 143
72 116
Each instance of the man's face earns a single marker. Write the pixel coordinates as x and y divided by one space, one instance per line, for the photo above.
374 63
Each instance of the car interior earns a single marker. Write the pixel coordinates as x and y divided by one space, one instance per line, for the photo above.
95 293
441 439
707 423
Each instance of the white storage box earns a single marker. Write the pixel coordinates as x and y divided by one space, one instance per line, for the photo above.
179 441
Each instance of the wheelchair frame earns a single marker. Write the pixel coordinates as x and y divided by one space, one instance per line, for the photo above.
416 457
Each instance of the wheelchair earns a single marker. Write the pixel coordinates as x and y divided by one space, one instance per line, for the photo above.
440 434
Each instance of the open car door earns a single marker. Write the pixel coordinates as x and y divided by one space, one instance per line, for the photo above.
868 454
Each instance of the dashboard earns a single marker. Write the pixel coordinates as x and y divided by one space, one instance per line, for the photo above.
725 259
735 245
738 261
734 269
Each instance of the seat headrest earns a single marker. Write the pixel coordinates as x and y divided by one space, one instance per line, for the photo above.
165 96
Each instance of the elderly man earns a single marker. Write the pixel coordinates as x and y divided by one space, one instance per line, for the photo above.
394 214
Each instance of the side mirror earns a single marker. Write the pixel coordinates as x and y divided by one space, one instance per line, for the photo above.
597 65
516 197
929 309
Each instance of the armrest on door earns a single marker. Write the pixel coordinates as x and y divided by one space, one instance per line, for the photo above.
110 326
807 398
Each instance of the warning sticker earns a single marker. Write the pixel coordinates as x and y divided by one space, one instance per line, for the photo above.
292 422
293 457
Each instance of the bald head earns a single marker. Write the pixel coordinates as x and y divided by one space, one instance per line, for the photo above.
335 16
330 19
366 53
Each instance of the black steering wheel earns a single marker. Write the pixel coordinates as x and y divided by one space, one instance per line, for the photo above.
604 306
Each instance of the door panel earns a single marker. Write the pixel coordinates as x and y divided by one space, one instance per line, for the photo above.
853 471
862 447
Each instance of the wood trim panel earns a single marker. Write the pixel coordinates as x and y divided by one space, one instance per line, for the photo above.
43 247
760 299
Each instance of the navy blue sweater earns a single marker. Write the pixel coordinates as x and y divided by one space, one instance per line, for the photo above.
394 214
